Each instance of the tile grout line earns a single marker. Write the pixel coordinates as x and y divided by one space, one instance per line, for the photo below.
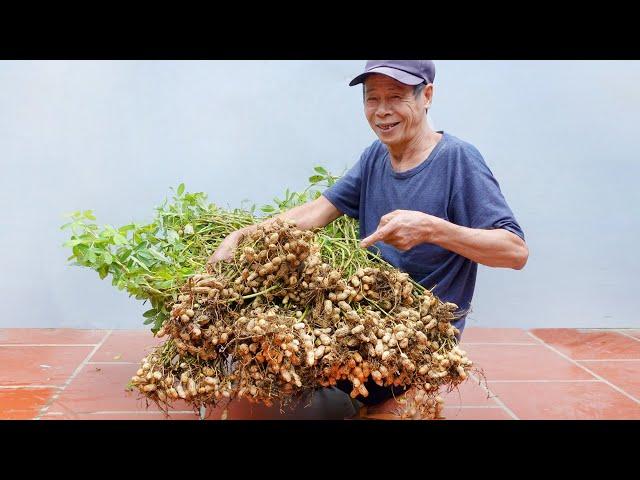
15 387
609 360
48 344
627 335
75 373
595 329
547 381
495 398
112 363
121 412
575 362
495 407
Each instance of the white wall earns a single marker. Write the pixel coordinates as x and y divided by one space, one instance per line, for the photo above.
561 138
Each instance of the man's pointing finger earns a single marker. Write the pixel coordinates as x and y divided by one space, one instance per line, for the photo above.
376 236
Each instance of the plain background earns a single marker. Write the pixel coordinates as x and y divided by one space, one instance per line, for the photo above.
561 137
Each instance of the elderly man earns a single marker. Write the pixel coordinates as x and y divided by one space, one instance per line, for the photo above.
426 199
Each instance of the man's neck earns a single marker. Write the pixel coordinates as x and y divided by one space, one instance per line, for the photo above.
413 153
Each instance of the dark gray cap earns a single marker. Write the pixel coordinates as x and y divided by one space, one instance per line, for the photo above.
409 72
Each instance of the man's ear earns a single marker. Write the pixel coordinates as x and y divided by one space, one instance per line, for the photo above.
428 95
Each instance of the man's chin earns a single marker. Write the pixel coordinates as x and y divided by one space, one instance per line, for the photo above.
389 142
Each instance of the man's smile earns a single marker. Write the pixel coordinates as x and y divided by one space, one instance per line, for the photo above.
385 127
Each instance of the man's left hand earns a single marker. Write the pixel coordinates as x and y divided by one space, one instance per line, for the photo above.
404 229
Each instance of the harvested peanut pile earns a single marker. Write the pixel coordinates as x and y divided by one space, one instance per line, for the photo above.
298 310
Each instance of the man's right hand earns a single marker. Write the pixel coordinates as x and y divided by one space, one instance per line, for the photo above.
317 213
226 248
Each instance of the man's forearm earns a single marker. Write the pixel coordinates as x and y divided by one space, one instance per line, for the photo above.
303 215
494 248
306 216
317 213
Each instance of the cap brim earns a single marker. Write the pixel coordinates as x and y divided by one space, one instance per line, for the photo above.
398 75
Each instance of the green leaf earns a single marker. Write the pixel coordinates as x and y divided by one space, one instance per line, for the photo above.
180 189
126 228
157 325
149 320
91 255
108 259
119 239
72 243
145 254
135 260
71 214
158 255
172 236
268 209
150 313
159 321
316 179
103 271
89 214
320 170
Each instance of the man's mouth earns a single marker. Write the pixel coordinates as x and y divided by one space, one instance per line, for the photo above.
385 127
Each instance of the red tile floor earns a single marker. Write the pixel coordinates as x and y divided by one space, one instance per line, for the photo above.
53 374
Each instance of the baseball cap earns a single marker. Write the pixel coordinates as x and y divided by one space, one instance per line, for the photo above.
409 72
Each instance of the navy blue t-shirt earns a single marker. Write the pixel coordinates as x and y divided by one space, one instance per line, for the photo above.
453 183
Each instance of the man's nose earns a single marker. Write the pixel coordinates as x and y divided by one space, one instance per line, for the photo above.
383 109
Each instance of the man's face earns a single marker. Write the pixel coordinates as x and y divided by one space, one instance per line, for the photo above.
392 110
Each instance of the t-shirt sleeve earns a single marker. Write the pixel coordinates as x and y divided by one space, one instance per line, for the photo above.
345 193
477 201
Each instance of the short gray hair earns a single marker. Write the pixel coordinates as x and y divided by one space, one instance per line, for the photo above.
418 89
